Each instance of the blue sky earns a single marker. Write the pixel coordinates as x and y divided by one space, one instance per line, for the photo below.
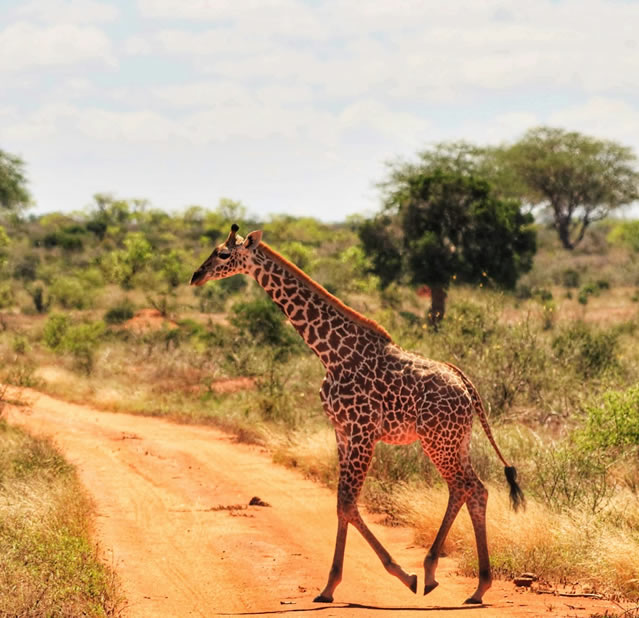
294 105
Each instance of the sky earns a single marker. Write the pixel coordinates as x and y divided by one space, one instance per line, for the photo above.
294 106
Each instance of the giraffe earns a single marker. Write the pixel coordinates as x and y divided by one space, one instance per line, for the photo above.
374 390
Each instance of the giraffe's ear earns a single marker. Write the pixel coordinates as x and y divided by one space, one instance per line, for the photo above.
253 239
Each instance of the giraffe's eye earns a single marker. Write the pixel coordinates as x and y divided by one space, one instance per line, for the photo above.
224 256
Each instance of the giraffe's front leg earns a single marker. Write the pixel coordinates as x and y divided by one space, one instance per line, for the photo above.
354 464
335 574
477 508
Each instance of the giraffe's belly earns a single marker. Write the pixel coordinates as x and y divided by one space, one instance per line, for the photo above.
398 428
407 437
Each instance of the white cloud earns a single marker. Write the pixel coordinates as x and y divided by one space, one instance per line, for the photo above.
311 96
137 46
221 121
206 9
374 116
216 92
24 46
603 117
419 49
68 11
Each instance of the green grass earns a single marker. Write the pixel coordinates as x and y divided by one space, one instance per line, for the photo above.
48 564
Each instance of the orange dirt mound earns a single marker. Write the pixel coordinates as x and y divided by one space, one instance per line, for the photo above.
149 319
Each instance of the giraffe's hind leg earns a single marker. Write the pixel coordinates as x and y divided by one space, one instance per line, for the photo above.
463 487
476 504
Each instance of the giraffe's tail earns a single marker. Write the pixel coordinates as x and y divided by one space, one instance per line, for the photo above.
517 498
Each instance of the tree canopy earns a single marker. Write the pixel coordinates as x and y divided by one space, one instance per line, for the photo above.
578 178
440 225
13 182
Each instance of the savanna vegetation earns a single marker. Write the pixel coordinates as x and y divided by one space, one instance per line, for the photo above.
49 565
95 306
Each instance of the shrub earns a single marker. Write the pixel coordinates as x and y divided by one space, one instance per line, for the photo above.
67 240
40 301
55 330
592 289
263 323
6 295
70 293
212 297
565 476
625 234
26 267
543 294
119 313
468 325
614 422
570 278
79 340
590 351
523 291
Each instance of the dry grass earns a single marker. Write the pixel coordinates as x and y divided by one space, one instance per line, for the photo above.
596 552
48 565
570 548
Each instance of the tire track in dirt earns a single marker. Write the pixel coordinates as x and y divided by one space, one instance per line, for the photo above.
163 494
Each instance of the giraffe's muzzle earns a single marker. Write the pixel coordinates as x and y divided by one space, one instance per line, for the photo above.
198 277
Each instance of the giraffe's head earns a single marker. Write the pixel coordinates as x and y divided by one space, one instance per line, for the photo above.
229 258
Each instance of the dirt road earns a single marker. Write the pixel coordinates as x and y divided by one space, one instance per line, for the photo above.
166 498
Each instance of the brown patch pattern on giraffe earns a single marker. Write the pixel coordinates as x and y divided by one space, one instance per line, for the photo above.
374 390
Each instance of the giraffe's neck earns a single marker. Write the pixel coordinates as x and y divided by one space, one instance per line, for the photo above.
337 334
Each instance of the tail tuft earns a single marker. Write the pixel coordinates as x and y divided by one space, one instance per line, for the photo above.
516 494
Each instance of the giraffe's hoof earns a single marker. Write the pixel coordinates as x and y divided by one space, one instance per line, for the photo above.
322 599
430 587
472 601
413 583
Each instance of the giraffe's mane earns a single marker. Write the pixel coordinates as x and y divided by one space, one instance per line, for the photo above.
324 293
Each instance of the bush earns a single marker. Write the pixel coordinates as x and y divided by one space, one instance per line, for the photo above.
570 278
41 302
589 351
79 340
614 422
55 330
592 289
6 295
263 323
26 267
566 476
212 297
70 293
523 291
67 240
119 313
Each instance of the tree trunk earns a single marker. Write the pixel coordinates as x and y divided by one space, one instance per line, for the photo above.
563 229
437 306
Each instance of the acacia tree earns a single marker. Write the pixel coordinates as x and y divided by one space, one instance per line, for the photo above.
439 225
580 179
13 183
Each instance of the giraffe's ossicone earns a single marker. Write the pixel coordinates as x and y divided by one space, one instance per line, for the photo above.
374 390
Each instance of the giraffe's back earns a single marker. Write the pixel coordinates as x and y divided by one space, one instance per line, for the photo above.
398 397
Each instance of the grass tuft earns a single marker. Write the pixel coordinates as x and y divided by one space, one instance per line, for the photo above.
48 565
